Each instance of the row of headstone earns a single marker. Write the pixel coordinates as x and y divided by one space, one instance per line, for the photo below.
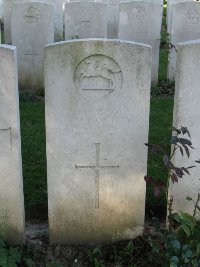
184 26
32 28
113 14
96 158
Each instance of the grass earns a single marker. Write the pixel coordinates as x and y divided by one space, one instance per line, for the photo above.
33 153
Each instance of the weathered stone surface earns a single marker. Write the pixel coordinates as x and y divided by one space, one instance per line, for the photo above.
186 113
12 225
141 22
185 26
58 17
169 10
32 29
85 20
97 117
1 9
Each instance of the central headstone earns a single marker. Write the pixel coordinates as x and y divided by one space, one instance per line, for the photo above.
97 117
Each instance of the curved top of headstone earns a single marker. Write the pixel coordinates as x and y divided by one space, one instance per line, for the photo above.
100 40
5 46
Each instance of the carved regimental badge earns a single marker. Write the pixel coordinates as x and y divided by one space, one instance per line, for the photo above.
193 16
140 13
97 76
32 15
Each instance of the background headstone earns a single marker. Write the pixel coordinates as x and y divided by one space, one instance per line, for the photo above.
58 16
12 222
169 10
1 9
85 20
141 22
185 26
97 116
32 29
186 113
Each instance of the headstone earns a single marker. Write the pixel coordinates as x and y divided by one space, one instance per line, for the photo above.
32 29
1 9
140 21
97 117
58 17
185 26
186 113
0 32
12 222
85 20
169 11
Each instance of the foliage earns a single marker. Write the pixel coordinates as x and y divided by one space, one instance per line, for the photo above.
180 244
179 143
27 96
13 256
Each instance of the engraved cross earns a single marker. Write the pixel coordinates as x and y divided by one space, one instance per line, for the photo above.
97 169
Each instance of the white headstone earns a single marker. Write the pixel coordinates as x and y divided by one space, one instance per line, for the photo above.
12 222
140 21
185 26
0 32
32 29
186 113
169 11
58 17
85 20
1 9
97 117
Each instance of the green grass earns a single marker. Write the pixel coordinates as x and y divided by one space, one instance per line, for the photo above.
34 155
159 133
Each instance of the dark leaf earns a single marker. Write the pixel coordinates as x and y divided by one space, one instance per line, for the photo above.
188 198
174 129
164 189
170 166
190 167
185 141
198 208
166 160
157 191
154 148
174 178
187 150
148 179
174 140
181 150
197 161
179 172
159 183
185 131
185 170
